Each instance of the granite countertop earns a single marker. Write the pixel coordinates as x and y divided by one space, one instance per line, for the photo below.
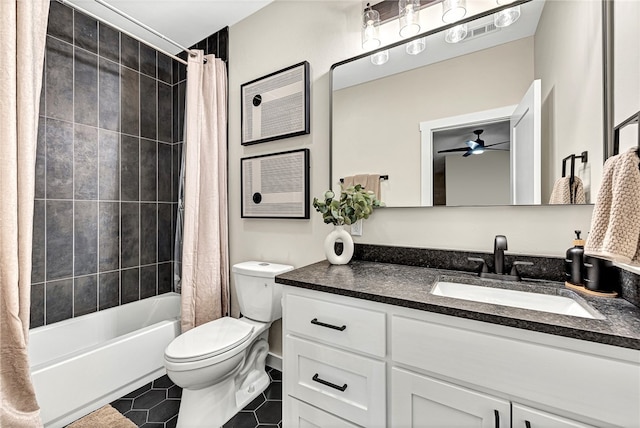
410 286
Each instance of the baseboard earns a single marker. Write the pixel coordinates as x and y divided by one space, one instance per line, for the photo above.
274 361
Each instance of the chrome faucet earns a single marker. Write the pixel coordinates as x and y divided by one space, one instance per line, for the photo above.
499 246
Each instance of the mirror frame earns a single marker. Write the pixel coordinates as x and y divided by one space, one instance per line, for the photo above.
607 73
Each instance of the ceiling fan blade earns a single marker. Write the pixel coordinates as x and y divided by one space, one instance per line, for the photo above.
495 144
498 150
469 153
462 149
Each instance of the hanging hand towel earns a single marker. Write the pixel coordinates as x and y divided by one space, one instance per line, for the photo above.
561 194
615 224
368 181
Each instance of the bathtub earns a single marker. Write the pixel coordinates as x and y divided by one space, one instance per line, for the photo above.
80 364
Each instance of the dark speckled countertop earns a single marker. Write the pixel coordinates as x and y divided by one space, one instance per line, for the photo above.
410 286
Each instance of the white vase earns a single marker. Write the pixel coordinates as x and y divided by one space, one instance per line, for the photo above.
338 234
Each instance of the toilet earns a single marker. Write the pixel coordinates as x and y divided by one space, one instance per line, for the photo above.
220 365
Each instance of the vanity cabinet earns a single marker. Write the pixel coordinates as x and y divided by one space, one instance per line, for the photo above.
373 364
421 401
333 361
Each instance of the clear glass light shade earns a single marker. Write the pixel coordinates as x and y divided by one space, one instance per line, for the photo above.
409 17
506 17
416 46
453 10
380 58
370 30
456 34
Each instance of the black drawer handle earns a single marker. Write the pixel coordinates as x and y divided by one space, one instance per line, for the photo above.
332 385
335 327
527 424
496 417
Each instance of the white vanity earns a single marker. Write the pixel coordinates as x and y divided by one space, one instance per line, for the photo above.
354 361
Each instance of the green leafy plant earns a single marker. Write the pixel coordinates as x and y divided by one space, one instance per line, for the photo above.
355 203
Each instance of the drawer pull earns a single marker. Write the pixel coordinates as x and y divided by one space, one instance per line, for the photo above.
496 416
527 424
332 385
335 327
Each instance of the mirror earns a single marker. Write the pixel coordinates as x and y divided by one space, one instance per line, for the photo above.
625 101
530 92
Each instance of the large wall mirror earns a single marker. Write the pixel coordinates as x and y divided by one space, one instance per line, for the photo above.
531 93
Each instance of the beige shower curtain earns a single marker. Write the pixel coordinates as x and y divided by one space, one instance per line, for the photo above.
23 26
205 250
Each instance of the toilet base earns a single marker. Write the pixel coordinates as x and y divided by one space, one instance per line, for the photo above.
212 406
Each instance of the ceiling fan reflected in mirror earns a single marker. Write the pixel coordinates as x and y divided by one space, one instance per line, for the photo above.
475 147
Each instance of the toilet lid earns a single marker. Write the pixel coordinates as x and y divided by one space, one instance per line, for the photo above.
208 340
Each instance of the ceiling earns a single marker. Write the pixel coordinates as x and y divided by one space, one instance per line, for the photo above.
184 21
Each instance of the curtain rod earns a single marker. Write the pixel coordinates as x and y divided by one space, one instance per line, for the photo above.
135 21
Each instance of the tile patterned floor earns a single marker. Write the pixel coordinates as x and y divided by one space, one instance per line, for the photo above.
156 405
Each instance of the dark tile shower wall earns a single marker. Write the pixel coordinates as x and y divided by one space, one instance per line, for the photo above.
106 172
109 148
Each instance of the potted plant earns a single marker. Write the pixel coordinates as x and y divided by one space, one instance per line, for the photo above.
355 203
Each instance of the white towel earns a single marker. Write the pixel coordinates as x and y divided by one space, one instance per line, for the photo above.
561 194
615 224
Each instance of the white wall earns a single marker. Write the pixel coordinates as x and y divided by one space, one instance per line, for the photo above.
323 33
479 179
566 47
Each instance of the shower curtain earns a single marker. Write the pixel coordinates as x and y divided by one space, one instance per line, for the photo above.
205 250
23 26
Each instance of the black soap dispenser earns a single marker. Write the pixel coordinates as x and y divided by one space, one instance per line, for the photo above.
573 268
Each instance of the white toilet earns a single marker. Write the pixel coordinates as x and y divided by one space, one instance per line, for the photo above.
221 364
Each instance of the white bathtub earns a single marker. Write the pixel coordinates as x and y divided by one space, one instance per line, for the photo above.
80 364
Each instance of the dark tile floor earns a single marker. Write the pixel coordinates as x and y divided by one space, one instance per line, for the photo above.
156 405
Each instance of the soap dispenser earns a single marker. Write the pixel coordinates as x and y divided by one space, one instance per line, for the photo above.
573 267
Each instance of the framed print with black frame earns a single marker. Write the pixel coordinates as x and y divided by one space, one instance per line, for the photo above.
276 106
275 185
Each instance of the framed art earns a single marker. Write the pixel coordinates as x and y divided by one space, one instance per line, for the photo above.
275 185
276 106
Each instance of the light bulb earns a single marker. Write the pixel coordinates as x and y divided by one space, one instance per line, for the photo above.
456 34
380 58
416 46
506 17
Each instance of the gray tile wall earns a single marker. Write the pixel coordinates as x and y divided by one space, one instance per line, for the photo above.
106 173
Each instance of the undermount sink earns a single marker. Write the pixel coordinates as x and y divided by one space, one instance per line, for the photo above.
519 299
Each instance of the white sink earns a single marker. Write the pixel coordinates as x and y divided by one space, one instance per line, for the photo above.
514 298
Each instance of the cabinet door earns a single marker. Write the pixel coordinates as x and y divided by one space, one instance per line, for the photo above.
420 401
526 417
302 415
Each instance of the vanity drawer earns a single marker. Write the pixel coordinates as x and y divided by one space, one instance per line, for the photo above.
337 324
351 386
301 415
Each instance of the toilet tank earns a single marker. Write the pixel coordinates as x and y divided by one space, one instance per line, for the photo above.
259 296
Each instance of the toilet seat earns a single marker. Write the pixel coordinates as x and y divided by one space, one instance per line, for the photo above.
208 340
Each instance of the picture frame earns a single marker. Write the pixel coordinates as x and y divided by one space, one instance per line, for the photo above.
276 106
275 185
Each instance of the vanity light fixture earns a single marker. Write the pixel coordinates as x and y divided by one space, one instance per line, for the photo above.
370 29
456 34
409 17
506 17
453 10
